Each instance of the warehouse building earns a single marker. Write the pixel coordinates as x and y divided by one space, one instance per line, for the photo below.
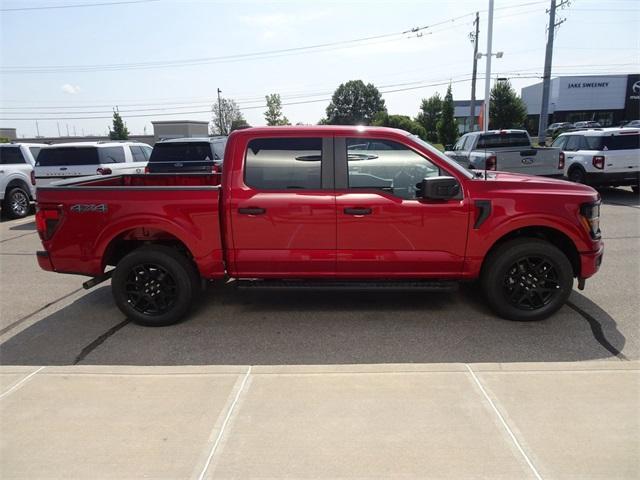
610 100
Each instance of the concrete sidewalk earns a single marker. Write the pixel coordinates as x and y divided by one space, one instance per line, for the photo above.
511 421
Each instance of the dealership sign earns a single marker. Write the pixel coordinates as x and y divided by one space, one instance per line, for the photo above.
632 101
588 85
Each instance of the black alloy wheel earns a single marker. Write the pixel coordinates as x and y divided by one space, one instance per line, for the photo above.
531 283
151 289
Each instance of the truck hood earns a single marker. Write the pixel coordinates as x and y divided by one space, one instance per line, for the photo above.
531 184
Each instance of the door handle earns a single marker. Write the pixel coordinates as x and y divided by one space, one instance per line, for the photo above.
252 211
357 211
569 158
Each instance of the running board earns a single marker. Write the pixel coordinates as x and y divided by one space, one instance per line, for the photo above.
359 285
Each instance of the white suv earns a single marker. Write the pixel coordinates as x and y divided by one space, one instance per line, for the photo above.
16 188
602 157
65 160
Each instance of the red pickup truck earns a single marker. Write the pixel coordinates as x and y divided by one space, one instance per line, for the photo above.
324 207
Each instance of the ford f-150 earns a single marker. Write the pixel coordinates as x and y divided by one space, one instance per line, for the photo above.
323 207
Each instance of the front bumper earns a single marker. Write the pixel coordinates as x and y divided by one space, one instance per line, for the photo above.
590 261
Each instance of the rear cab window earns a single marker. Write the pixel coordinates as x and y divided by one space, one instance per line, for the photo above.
172 152
501 140
284 164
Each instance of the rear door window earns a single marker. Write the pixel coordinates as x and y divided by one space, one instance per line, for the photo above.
34 152
11 156
573 143
62 156
137 153
284 164
112 155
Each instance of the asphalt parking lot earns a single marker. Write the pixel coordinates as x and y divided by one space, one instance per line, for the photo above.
276 355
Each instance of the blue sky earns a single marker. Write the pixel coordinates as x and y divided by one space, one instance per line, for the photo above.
598 36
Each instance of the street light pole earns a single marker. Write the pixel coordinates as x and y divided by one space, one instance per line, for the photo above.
220 120
487 75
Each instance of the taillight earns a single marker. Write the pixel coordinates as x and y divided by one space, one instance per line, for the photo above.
103 171
47 220
561 161
33 178
590 213
146 169
490 163
598 162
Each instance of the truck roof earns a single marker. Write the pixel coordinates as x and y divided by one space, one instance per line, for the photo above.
318 130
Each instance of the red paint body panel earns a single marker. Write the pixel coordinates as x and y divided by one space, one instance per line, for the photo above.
306 233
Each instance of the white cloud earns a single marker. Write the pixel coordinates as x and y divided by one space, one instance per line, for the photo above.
70 89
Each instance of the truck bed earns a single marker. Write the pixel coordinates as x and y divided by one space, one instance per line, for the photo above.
101 213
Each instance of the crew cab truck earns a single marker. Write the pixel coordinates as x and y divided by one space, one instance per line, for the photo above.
323 207
507 151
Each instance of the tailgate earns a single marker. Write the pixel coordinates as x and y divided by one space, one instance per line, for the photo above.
533 161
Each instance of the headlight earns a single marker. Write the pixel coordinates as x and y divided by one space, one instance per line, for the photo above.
590 213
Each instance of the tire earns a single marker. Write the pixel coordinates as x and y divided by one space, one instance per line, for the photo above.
527 279
636 189
155 286
577 175
16 203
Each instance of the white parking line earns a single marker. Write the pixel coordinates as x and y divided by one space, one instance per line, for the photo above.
224 424
504 423
19 383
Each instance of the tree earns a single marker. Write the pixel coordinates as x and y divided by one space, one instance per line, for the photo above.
273 115
224 114
430 110
119 130
354 103
239 125
447 126
506 110
403 122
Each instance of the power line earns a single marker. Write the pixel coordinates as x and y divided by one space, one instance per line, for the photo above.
18 69
56 7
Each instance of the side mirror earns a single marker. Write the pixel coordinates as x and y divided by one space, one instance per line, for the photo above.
440 188
448 146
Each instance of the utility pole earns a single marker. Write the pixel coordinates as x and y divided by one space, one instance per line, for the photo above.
487 75
220 119
546 78
472 105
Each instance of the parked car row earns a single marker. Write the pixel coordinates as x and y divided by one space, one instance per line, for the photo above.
25 166
557 128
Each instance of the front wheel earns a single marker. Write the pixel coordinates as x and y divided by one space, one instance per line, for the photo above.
155 285
527 279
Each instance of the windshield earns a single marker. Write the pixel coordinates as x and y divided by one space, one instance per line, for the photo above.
441 156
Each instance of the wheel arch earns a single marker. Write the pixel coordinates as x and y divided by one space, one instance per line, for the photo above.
18 182
552 235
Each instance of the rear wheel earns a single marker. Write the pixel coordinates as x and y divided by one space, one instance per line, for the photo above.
527 279
155 285
577 175
16 203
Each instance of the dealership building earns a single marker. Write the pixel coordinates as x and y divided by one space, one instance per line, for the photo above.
608 99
